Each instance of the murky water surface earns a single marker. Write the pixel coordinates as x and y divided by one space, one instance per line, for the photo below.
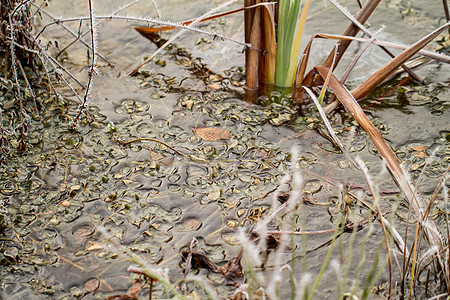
138 176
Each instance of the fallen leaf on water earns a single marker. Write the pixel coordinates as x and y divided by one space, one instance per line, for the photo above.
91 285
419 148
94 246
213 134
214 86
420 154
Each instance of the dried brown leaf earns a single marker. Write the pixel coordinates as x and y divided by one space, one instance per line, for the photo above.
213 134
135 288
214 86
420 154
232 271
419 148
91 285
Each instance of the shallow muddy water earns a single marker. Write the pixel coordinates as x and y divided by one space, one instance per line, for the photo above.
137 176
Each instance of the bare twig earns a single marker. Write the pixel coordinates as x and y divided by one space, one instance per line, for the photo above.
80 35
154 140
61 23
174 37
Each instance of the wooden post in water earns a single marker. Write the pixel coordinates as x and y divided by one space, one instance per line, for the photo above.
252 23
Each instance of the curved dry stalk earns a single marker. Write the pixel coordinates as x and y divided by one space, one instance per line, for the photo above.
416 201
150 30
330 129
379 76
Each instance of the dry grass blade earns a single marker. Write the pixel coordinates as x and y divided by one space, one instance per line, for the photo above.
352 30
366 31
354 61
416 201
393 65
433 55
358 56
389 68
330 129
300 78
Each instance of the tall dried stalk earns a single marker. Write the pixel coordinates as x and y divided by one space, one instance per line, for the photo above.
416 201
253 34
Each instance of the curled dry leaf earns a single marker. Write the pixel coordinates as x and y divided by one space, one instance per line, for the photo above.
213 134
135 288
232 271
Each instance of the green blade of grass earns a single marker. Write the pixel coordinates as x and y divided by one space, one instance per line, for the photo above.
297 39
287 23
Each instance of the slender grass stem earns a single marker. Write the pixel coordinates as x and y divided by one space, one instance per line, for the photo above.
324 265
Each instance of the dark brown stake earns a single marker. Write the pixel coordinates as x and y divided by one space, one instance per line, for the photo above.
151 289
252 21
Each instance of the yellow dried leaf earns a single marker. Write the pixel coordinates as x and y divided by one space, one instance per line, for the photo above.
94 246
213 134
214 86
213 78
65 203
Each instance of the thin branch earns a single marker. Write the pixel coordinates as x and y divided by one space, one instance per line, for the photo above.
81 35
154 140
92 71
59 22
174 37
